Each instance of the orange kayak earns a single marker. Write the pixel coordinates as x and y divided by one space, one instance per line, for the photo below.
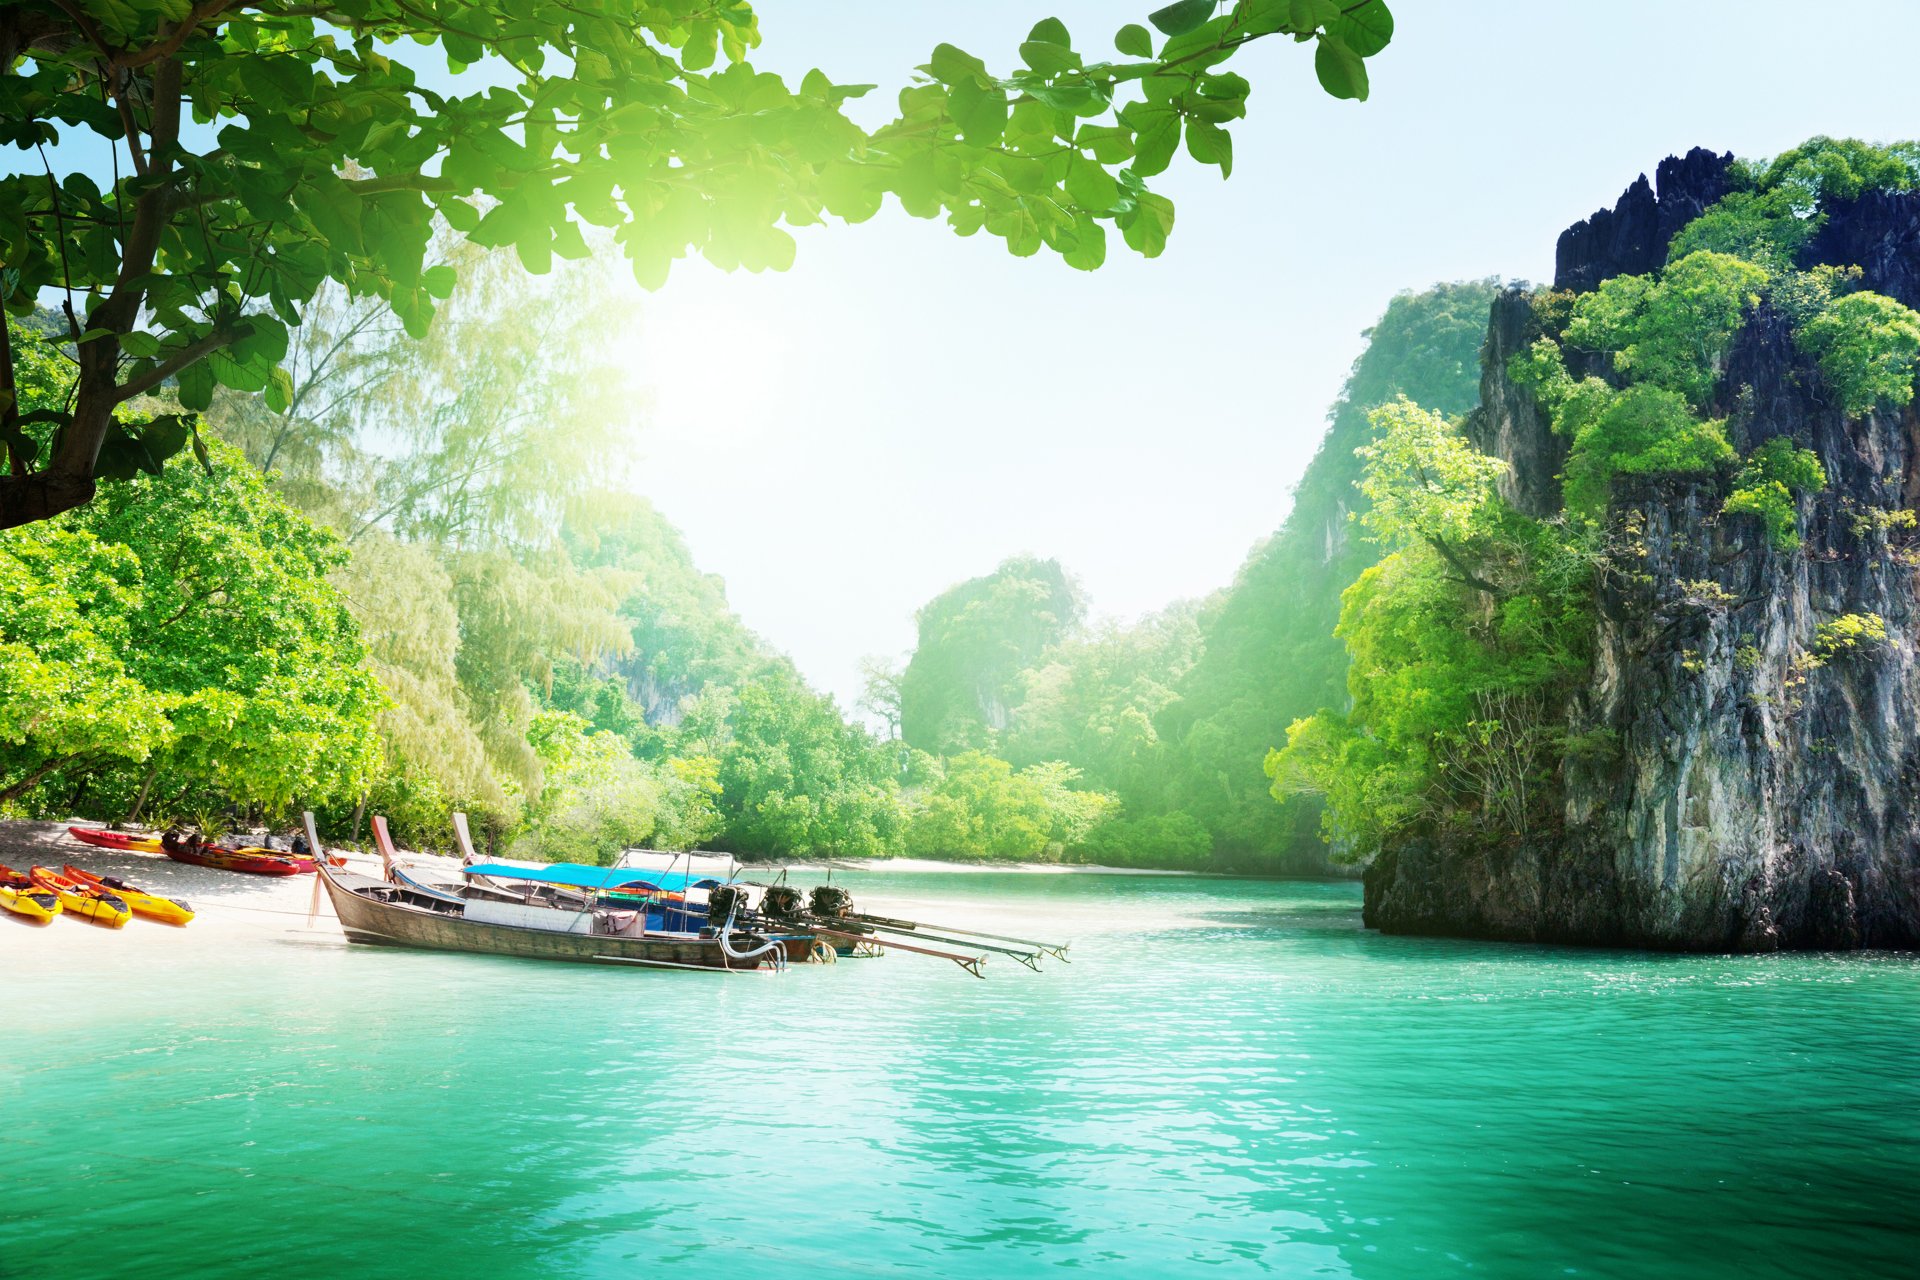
140 901
22 897
83 900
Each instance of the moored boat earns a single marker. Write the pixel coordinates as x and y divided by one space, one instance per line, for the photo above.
383 913
101 838
141 902
84 901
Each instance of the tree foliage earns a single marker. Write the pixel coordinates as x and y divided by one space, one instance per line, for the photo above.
264 150
1868 347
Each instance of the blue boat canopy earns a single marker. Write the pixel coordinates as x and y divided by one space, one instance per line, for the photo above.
577 876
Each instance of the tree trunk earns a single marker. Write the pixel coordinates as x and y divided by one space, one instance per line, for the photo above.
140 801
32 780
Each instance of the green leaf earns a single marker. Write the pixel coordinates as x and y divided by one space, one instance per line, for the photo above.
439 280
980 112
1134 40
196 386
143 345
278 392
1147 227
200 450
1091 186
1178 19
163 437
1366 30
1047 58
1051 31
1156 136
952 65
1310 15
1342 72
1110 144
1210 144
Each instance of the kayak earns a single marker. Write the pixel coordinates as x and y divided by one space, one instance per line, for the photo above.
18 895
139 901
257 862
101 838
83 900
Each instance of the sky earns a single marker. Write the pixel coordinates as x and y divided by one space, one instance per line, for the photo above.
906 408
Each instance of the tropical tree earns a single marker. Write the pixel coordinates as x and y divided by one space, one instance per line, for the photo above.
263 149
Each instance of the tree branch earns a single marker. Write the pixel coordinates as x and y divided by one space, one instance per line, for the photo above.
192 353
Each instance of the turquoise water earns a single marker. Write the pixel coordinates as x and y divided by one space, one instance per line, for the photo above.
1232 1078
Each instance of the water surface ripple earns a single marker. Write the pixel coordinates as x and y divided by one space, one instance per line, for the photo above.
1231 1078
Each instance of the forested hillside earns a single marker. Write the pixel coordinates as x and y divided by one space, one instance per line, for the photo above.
1173 716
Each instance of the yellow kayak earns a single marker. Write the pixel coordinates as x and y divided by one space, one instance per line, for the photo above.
139 901
34 904
83 900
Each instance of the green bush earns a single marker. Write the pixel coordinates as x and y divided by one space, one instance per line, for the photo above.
1759 227
1178 841
1673 331
1823 168
1849 632
1766 486
1643 430
1867 346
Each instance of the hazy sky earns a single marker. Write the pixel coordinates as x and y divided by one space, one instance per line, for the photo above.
905 407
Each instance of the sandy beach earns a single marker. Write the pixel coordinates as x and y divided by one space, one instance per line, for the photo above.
226 903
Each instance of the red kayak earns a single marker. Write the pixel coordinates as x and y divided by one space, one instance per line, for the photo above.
101 838
257 862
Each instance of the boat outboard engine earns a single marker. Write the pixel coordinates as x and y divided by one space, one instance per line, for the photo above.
831 902
782 901
724 901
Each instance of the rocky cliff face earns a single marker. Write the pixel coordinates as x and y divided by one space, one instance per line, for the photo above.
1739 786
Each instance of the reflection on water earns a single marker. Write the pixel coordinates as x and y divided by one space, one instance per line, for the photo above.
1232 1077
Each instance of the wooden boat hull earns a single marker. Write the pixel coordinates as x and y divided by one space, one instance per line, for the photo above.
388 919
100 838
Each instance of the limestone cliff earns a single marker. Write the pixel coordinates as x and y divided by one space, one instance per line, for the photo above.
1737 787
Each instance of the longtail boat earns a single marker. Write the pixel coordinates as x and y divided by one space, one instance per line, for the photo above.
385 913
141 902
83 901
22 897
101 838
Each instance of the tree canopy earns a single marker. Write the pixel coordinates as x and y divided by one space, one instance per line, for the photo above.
264 149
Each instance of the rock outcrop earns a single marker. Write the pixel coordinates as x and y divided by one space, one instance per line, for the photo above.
1632 237
1736 785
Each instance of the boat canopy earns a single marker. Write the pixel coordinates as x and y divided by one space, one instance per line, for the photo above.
576 876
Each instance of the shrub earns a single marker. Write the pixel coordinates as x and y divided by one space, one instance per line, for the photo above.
1763 228
1643 430
1848 633
1766 486
1823 168
1867 346
1673 331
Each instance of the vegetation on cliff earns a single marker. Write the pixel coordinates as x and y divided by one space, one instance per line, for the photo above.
1468 640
